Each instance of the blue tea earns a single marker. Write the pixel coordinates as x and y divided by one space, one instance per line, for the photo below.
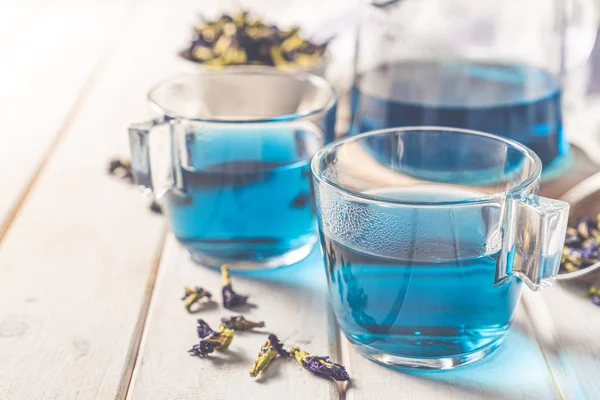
244 195
426 291
515 101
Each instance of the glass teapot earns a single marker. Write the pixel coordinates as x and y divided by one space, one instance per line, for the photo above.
496 66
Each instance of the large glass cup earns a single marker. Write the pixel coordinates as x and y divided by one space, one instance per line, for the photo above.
427 245
236 146
496 66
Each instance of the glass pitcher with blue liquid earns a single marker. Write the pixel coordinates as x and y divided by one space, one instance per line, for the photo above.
495 66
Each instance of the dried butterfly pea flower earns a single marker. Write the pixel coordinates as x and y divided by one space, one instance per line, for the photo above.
203 329
230 298
277 345
242 39
269 350
588 228
582 249
211 340
573 238
239 323
193 295
203 348
321 366
120 168
590 250
155 207
570 267
582 245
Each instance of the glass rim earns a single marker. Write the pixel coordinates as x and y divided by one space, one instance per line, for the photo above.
208 73
523 184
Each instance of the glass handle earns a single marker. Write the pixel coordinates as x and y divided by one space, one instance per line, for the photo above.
139 141
533 240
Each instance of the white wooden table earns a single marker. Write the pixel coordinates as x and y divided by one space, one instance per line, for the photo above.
90 280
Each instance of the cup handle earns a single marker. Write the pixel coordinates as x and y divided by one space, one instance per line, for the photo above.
139 141
533 238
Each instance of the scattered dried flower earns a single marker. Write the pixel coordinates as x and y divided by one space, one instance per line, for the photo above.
120 168
269 350
203 329
321 366
193 295
239 323
230 298
155 207
211 340
204 348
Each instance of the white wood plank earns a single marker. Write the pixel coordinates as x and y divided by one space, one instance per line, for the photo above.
568 325
290 300
516 370
49 49
77 262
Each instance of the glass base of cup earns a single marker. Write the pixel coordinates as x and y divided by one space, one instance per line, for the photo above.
281 260
424 364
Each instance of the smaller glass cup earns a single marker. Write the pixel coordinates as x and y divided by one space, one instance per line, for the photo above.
428 234
238 189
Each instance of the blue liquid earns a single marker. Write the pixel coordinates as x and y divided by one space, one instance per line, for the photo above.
247 196
515 101
429 294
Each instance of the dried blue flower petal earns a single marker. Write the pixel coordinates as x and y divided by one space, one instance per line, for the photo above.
277 345
586 227
321 366
230 298
193 295
269 350
572 239
582 246
582 249
590 250
211 340
203 329
239 323
203 348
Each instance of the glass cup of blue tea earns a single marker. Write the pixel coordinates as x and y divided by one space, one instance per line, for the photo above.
238 141
426 251
496 66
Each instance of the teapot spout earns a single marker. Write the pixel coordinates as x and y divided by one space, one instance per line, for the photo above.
533 240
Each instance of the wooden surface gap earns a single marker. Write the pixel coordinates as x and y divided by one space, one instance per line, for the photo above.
339 355
138 332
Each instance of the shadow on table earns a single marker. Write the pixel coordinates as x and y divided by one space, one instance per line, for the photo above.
516 370
306 274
